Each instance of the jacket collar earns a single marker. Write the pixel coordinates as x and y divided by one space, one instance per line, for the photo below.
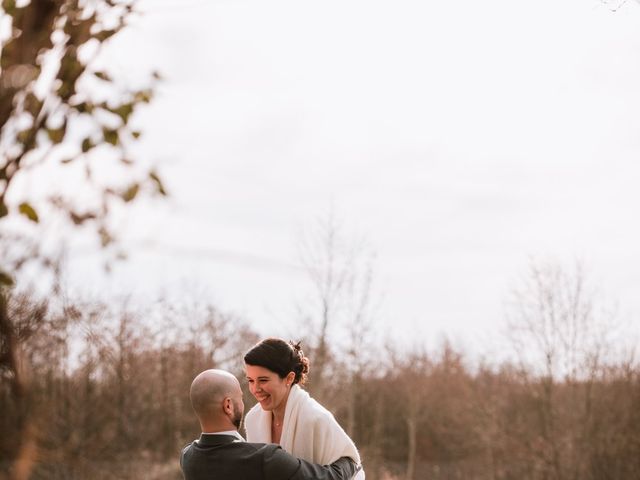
222 438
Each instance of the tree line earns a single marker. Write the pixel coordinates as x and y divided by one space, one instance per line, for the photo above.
109 385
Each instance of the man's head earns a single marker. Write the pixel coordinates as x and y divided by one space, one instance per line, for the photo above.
216 398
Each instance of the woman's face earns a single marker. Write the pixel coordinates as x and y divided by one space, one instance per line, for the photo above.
270 390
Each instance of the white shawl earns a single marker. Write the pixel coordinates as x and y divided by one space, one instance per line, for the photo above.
309 431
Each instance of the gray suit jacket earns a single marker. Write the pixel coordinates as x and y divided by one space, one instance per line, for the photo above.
223 457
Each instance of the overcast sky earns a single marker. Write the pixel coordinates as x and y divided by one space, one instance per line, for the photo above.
459 137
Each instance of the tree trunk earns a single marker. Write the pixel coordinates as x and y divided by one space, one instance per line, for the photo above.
351 407
16 365
412 433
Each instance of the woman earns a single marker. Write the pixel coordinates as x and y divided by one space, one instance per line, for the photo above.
285 413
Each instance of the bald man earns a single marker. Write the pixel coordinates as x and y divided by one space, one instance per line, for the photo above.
221 453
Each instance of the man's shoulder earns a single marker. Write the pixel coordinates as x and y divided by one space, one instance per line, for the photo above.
252 446
261 448
184 453
272 456
237 459
186 448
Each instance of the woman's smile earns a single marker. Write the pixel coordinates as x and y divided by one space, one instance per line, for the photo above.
262 398
267 387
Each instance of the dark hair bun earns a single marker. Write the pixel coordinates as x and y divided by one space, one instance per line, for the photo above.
280 357
301 363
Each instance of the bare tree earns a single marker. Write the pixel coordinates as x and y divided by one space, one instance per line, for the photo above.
561 335
361 307
408 377
326 260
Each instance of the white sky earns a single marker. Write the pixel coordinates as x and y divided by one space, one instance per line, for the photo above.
460 137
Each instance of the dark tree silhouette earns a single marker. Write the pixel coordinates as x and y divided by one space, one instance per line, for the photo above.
60 110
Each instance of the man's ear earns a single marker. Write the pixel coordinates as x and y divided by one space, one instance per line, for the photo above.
227 407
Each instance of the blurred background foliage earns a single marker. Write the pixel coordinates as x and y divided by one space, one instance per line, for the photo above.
109 385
